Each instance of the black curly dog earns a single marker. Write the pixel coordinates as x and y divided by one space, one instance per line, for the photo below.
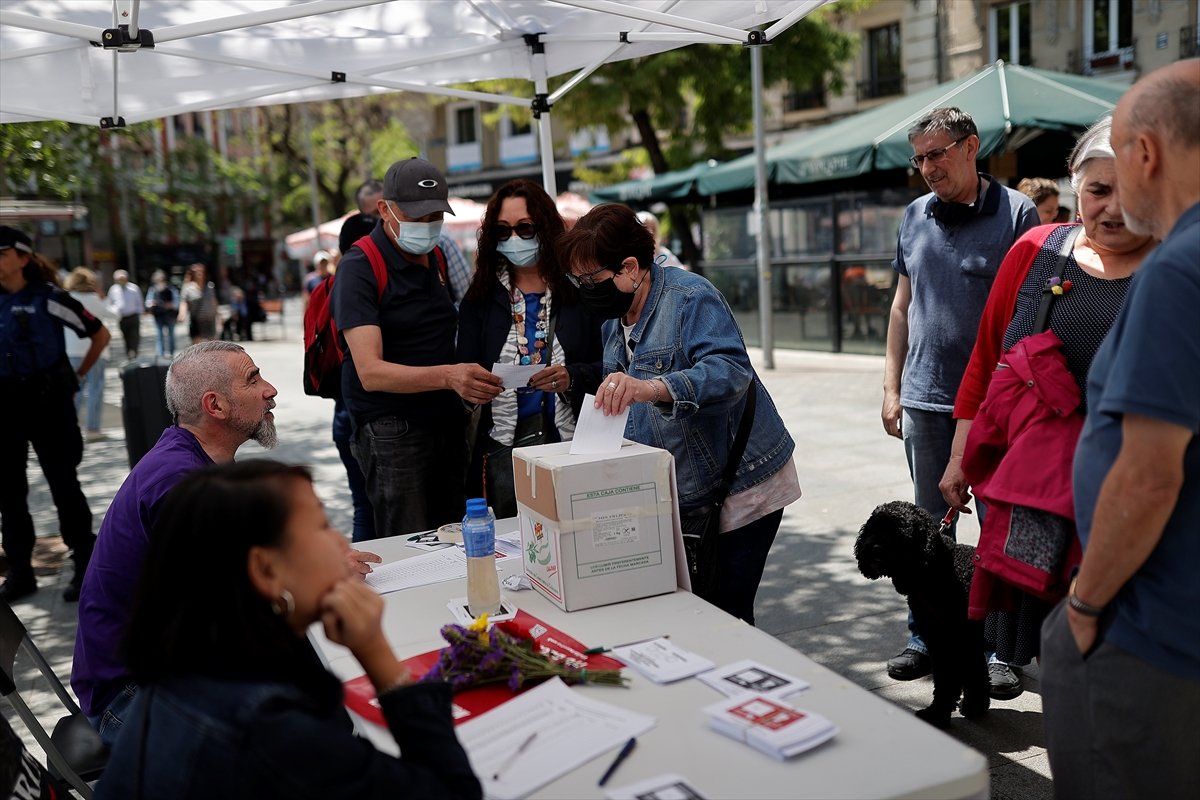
903 542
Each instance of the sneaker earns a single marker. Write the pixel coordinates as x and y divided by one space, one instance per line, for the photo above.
909 665
95 436
71 593
1005 681
17 587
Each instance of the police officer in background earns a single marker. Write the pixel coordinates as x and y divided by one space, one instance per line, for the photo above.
37 384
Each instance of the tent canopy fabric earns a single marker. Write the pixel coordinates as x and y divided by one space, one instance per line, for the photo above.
674 185
1002 98
232 53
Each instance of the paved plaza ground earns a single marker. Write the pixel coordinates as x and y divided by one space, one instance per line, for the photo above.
811 597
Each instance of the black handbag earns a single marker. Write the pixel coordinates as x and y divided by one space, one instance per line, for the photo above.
701 526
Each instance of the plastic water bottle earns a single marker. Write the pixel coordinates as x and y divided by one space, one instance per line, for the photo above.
479 539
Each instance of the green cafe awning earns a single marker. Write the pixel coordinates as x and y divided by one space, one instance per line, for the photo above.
673 185
1004 99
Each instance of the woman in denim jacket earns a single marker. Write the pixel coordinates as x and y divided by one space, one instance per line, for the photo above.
233 701
674 356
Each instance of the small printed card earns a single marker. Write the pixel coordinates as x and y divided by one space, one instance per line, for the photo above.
426 541
661 787
777 729
661 661
751 677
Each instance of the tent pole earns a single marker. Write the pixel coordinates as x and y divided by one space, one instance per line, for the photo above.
541 113
766 322
312 183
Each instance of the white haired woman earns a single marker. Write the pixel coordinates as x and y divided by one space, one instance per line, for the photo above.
1086 299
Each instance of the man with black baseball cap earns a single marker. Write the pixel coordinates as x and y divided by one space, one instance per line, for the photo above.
408 399
38 384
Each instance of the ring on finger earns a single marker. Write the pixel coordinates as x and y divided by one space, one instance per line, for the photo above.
612 385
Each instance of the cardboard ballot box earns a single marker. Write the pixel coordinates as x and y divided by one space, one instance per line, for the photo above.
599 529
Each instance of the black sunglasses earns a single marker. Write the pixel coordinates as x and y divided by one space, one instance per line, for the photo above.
589 279
525 230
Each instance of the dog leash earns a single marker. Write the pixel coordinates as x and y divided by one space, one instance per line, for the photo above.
947 521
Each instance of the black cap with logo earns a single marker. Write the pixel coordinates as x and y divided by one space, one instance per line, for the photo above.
417 187
13 238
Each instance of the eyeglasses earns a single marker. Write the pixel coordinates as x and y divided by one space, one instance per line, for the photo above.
936 154
525 230
588 280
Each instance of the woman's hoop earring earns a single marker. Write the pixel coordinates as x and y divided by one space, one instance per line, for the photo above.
285 605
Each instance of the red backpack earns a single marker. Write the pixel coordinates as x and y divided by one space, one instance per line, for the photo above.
322 355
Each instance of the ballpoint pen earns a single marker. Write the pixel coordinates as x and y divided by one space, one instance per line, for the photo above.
591 651
524 745
621 756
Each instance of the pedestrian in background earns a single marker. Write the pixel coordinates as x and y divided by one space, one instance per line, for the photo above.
125 301
1044 194
82 285
163 304
199 304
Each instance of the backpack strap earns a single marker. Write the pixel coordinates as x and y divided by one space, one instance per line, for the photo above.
378 265
440 258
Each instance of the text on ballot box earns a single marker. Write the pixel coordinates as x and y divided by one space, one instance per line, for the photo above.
598 529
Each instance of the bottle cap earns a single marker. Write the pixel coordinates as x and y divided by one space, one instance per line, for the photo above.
477 507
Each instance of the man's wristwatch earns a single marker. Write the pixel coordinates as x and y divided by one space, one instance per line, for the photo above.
1083 608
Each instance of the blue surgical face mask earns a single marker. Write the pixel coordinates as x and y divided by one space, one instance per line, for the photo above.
520 252
417 238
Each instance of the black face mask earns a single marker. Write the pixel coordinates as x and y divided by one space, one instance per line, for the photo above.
605 300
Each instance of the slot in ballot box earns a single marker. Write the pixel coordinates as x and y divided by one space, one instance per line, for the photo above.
599 529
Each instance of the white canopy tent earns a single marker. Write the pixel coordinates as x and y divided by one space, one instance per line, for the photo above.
117 62
102 62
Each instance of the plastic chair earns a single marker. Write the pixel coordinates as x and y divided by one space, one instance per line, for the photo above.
74 750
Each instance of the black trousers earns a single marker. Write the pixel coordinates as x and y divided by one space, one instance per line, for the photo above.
50 425
131 332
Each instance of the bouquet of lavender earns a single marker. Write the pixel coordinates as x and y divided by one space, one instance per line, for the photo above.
477 656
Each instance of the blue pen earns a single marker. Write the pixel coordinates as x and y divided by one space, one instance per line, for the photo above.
621 756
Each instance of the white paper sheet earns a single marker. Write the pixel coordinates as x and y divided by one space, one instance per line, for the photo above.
516 376
661 787
435 567
571 730
751 677
596 434
661 661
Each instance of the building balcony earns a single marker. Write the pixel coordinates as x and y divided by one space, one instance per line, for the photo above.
1113 62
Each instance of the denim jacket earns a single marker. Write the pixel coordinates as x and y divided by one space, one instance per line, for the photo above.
688 337
199 737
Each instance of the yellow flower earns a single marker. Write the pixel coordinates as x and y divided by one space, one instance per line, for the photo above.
480 626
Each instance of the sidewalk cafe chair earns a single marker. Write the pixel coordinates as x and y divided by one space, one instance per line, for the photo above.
74 750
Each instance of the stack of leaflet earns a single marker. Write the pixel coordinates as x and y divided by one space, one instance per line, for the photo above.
777 729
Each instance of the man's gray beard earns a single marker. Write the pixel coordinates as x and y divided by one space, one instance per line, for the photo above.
1135 225
265 434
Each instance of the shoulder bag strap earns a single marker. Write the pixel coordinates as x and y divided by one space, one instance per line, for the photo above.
739 443
1046 303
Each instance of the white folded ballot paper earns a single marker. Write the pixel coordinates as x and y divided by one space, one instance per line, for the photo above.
777 729
661 661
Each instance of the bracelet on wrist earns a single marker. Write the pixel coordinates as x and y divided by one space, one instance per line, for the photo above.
1086 609
655 384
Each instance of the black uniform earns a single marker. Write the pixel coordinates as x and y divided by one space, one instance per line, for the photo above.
37 384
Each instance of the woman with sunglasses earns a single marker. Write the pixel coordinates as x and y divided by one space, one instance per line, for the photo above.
674 356
520 309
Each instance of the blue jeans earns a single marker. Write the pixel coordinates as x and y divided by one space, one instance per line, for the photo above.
742 555
364 516
166 335
927 439
415 472
109 721
93 387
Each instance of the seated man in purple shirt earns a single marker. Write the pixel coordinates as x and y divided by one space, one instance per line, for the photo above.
219 401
